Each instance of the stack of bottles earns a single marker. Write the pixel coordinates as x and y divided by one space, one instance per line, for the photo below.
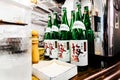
72 42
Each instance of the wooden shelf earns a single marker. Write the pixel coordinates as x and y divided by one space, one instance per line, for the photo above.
12 23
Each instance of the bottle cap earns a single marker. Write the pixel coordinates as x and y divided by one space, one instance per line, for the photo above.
64 8
72 10
86 8
78 5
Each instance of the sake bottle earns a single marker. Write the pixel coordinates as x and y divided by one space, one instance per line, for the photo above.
47 37
63 43
78 44
89 34
55 36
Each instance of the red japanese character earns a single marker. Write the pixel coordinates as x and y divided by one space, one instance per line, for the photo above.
75 58
61 47
76 50
46 46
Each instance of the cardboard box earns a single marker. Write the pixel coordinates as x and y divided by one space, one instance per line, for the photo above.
54 70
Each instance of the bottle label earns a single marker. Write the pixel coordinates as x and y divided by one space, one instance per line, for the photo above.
64 27
63 50
79 52
53 44
78 24
48 30
46 47
54 28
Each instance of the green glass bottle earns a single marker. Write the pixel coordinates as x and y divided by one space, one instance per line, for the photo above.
89 33
63 43
78 44
54 39
47 37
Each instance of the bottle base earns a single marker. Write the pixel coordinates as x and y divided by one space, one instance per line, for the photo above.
46 57
82 68
53 58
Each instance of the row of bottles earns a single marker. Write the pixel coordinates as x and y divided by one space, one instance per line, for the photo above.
51 38
70 43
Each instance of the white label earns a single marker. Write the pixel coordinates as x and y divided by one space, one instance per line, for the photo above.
48 30
53 48
78 24
64 27
46 47
79 52
54 28
63 50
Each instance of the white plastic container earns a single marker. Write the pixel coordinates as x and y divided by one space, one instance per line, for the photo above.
54 70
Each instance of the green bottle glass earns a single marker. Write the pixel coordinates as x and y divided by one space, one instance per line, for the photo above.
71 23
78 44
47 37
55 36
86 18
89 33
72 19
79 13
63 43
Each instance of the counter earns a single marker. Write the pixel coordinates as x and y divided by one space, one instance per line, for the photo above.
110 73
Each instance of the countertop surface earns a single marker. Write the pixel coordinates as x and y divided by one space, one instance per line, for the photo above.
110 73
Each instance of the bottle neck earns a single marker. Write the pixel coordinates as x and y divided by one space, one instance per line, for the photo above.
49 22
78 15
64 18
86 20
72 19
55 21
